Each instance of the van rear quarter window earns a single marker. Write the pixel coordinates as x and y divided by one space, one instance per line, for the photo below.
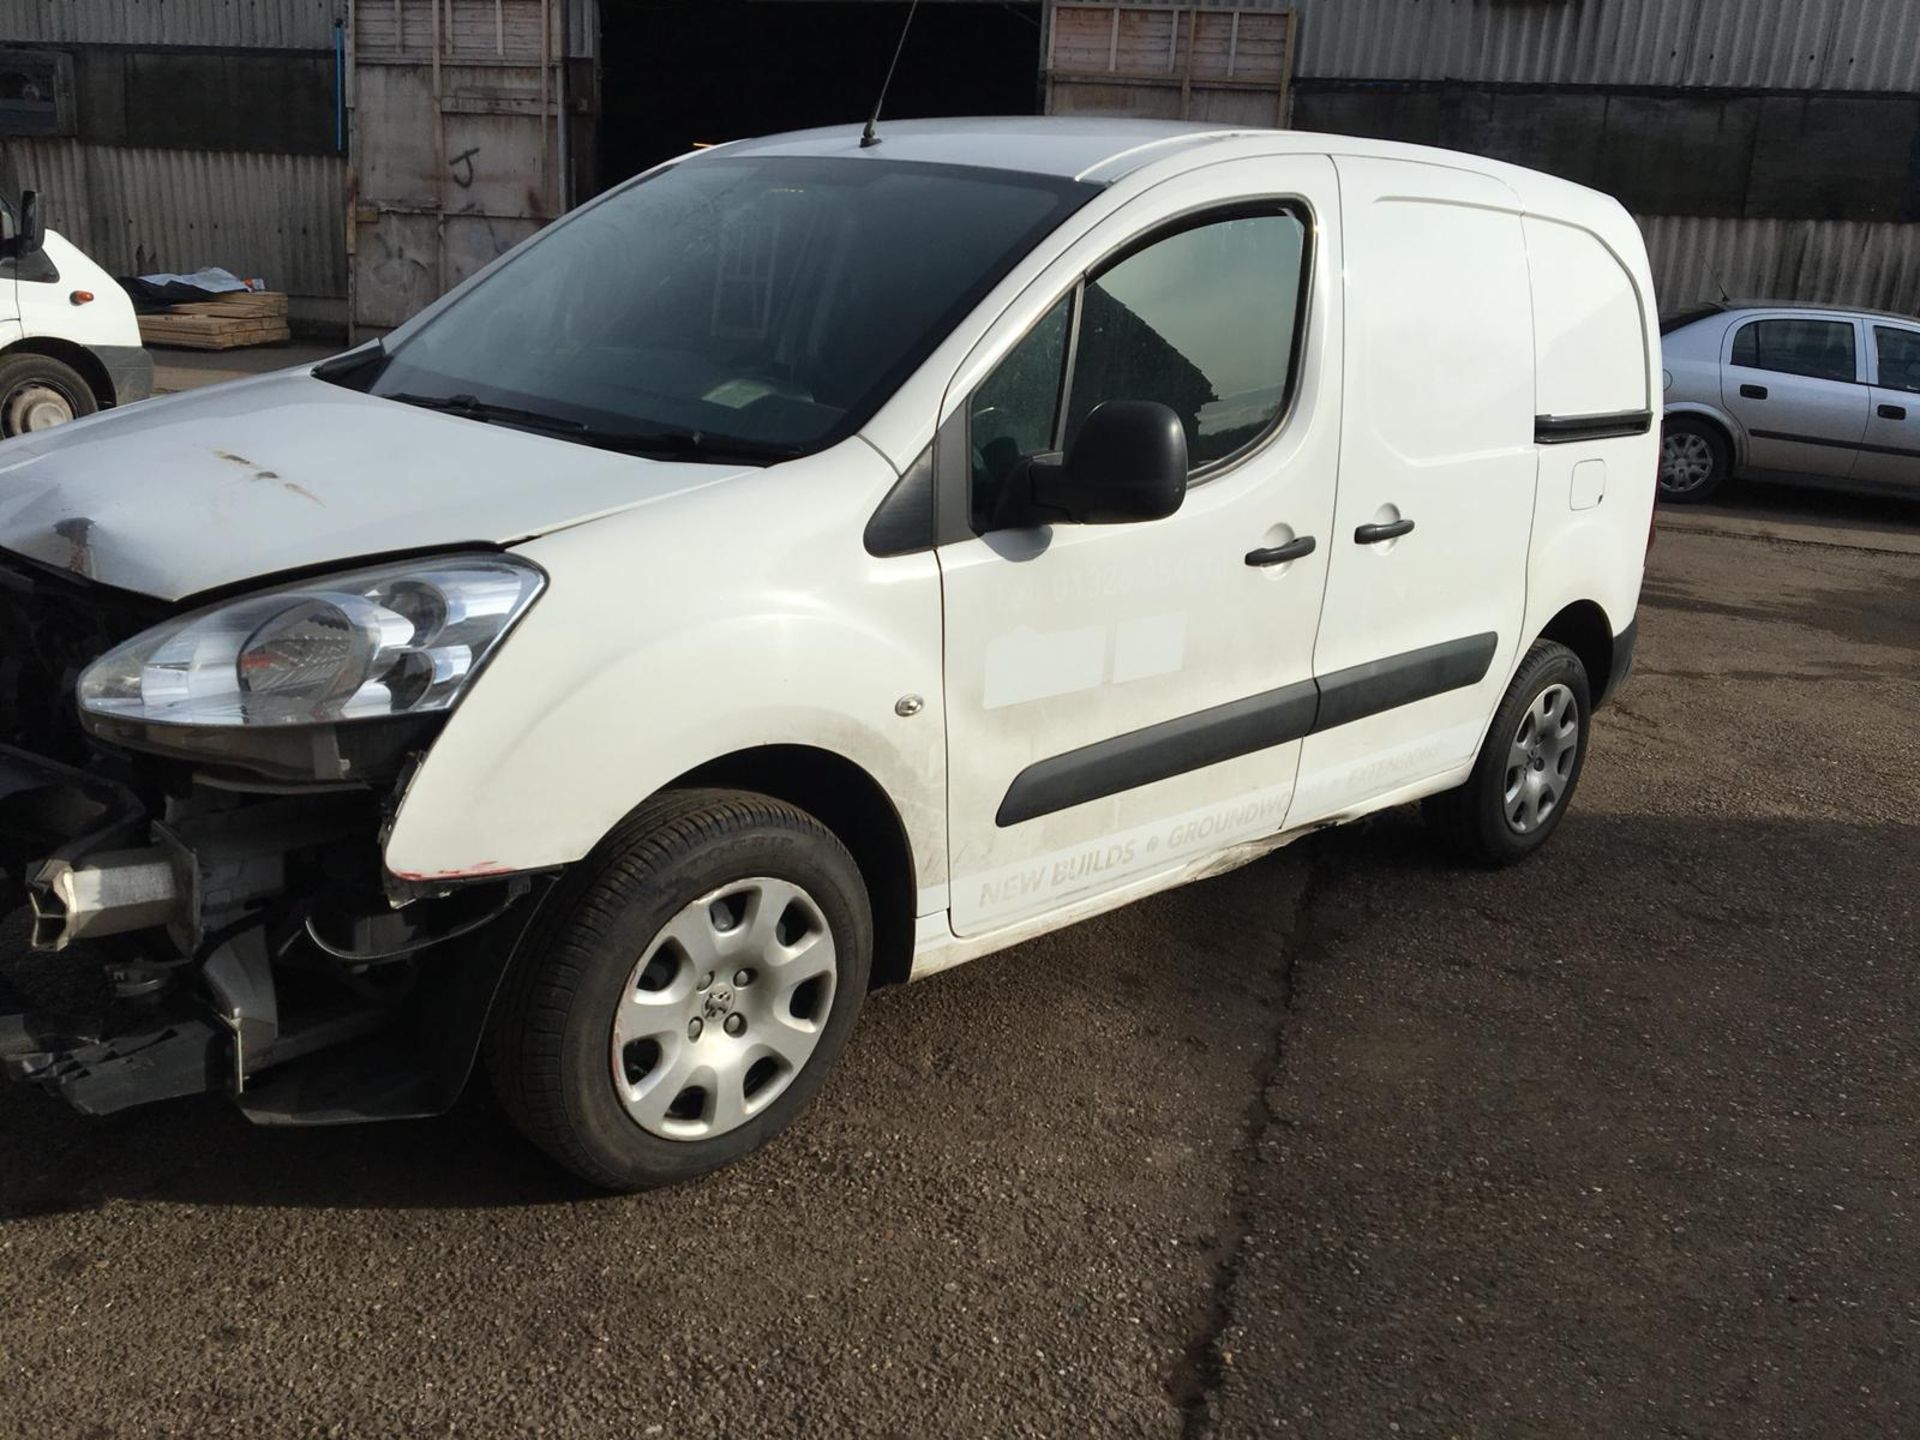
1590 345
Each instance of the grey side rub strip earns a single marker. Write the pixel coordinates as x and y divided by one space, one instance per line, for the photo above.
1241 727
1159 752
1835 444
1380 685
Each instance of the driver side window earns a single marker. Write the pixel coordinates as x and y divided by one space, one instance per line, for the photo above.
1205 320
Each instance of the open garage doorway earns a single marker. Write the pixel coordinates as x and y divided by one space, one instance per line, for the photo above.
676 73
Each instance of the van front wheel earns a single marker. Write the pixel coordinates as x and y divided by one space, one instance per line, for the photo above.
38 392
686 990
1529 764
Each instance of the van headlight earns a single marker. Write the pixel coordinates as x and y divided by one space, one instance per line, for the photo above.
397 641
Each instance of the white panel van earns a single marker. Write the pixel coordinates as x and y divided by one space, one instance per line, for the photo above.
69 341
805 568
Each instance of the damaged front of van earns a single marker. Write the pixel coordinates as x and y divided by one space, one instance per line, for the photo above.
231 627
314 686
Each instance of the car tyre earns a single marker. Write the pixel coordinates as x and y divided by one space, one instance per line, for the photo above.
1695 460
1528 767
657 942
38 392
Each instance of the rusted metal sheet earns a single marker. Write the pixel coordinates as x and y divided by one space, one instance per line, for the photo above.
1229 64
456 108
1873 266
238 24
1857 45
137 210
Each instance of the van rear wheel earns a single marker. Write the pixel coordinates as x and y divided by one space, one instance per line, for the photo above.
38 392
686 990
1529 764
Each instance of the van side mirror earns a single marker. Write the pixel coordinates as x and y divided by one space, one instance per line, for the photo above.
1127 464
33 230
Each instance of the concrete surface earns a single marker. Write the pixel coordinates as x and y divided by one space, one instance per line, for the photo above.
1624 1142
1757 510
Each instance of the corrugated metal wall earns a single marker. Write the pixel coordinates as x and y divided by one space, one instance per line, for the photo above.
252 24
280 217
1694 49
1856 45
145 208
1833 262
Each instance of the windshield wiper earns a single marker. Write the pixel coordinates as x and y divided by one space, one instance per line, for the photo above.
691 444
475 408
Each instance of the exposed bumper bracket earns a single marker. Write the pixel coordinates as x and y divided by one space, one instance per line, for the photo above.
98 1076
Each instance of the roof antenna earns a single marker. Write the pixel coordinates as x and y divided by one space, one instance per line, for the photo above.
867 137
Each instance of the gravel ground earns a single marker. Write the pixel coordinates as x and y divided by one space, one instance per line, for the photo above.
1623 1142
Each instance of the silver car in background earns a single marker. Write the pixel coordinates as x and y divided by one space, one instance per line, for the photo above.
1790 392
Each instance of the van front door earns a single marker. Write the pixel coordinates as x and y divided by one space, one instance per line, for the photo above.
1123 700
1428 577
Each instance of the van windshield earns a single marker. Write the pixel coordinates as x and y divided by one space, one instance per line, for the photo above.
749 308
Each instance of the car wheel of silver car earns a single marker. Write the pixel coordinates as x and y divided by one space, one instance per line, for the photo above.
38 392
685 991
1694 460
1529 764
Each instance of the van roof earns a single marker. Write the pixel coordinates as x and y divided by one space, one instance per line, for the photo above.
1094 149
1071 147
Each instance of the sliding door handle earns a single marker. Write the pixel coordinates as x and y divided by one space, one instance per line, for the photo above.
1281 554
1376 534
1754 392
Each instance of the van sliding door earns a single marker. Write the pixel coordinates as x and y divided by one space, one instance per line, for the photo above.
1437 471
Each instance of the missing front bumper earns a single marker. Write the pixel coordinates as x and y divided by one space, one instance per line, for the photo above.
250 949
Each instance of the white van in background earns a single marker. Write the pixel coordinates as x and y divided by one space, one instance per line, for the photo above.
809 566
69 342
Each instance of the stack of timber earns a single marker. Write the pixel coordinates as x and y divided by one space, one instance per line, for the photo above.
246 317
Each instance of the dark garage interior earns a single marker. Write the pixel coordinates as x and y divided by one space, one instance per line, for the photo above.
679 73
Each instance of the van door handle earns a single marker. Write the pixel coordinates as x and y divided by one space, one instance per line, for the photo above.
1375 534
1281 554
1893 412
1754 392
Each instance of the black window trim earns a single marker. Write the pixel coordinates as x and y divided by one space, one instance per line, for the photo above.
1212 212
1063 401
1809 317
